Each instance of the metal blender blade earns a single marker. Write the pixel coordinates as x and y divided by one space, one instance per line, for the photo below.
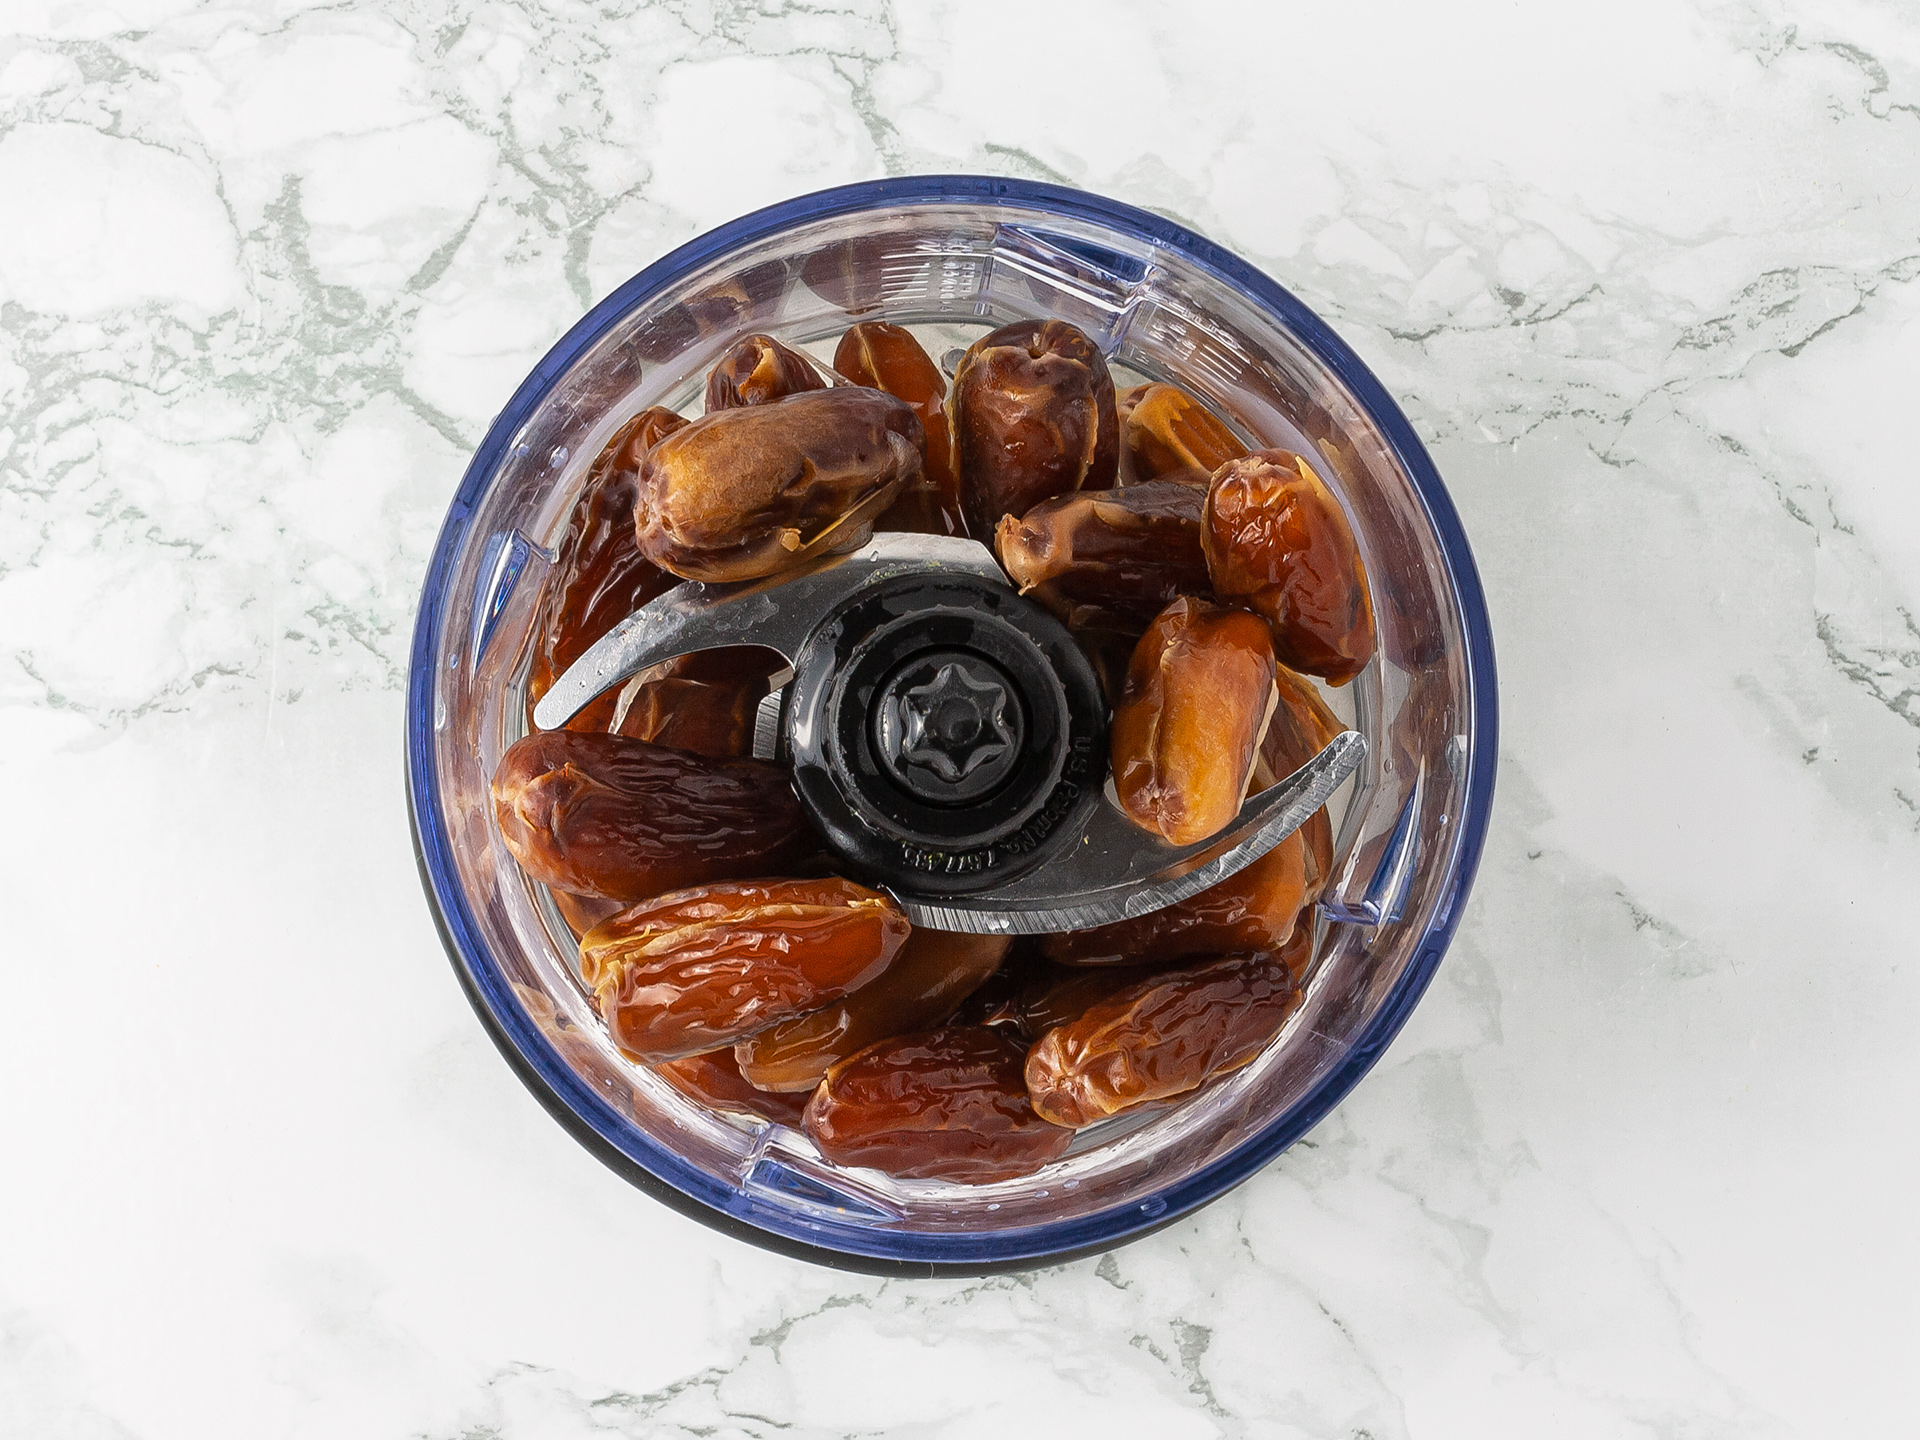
1071 859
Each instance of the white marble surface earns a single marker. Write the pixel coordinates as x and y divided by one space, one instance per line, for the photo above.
1647 277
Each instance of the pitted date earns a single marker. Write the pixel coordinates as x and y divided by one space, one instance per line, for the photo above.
703 702
1278 542
696 969
1190 719
601 576
748 492
1252 910
1164 431
942 1105
886 357
934 972
715 1081
1032 417
759 369
1160 1037
1108 559
618 818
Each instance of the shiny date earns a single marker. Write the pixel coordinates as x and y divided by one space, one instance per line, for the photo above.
886 357
744 493
1190 719
622 819
759 369
705 702
1051 995
933 973
698 968
1159 1038
1302 726
1032 416
716 1082
944 1105
582 912
1108 559
1164 431
1278 542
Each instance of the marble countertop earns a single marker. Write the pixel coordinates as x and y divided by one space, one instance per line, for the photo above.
1646 277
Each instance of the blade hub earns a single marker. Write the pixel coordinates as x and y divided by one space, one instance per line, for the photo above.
947 728
943 732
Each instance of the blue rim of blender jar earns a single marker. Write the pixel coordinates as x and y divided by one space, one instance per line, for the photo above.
854 1246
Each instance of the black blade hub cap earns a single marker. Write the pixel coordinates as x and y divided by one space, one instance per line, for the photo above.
948 726
942 730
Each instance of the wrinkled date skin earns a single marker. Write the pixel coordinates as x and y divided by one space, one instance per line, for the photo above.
886 357
716 1082
933 973
618 818
1108 559
601 577
1190 719
759 369
703 702
1301 727
1160 1037
1052 995
943 1105
1278 542
749 492
696 969
1164 431
1254 909
1032 417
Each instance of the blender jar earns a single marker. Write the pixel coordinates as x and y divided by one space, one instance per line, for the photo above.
951 257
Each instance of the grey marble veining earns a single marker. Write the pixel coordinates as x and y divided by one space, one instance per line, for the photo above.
1647 279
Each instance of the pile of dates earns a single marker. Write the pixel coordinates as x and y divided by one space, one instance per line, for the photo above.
1204 580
